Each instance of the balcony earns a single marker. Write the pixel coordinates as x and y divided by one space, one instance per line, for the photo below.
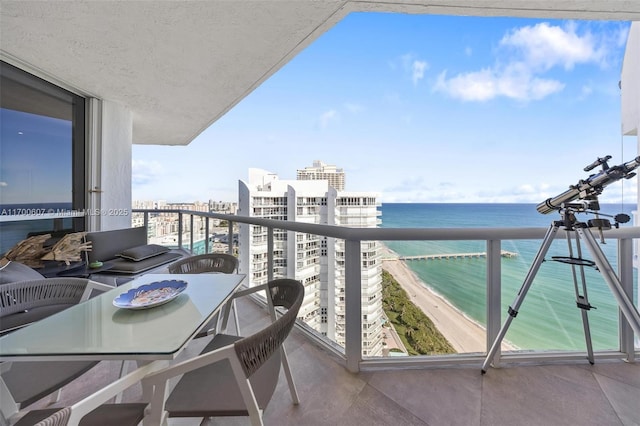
532 386
376 390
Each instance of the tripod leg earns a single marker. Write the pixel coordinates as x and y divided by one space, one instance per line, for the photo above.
585 322
624 303
513 309
582 300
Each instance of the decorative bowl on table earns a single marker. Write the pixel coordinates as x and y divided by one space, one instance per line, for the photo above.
149 295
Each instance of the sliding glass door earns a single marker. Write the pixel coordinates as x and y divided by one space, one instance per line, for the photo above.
42 158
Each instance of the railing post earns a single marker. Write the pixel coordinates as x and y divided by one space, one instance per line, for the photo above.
145 219
353 305
270 253
180 230
191 233
494 300
206 234
625 272
230 238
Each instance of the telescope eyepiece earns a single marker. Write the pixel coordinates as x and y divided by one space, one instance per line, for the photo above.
599 161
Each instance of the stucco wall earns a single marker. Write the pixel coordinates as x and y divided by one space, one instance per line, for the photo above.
630 81
630 108
115 176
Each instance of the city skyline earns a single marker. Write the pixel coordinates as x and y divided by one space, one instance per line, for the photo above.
420 109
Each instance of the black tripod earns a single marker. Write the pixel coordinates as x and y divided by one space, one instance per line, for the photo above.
576 231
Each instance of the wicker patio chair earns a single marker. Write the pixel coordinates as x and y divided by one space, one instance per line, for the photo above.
233 376
208 263
93 410
24 302
202 263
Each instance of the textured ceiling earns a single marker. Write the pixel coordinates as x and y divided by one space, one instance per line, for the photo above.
181 65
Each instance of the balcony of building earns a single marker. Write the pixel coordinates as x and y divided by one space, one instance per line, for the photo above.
338 385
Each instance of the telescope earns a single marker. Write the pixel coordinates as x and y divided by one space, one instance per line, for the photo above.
590 188
586 193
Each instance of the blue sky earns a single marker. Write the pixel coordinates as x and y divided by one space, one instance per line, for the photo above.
34 178
420 108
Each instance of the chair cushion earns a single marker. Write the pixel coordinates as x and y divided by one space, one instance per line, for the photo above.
125 266
106 245
143 252
31 381
212 391
16 271
20 319
106 415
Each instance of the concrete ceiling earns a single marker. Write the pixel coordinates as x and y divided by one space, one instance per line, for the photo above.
181 65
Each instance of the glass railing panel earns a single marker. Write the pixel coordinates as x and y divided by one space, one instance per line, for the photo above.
454 273
164 227
434 294
548 317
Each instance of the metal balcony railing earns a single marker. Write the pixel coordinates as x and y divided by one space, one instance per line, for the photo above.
352 238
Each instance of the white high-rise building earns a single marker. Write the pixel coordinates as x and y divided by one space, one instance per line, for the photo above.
316 261
322 171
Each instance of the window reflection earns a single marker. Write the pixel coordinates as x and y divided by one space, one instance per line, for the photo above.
41 156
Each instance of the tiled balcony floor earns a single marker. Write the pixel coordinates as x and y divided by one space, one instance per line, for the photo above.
605 394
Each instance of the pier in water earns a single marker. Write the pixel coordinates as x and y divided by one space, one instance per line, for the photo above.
503 253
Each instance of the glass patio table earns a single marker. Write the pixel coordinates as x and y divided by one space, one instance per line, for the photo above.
97 330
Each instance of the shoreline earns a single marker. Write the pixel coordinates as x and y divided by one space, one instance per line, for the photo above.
464 334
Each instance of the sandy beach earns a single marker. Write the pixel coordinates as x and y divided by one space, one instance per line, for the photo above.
465 335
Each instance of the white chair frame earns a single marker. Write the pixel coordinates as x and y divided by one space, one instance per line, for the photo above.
160 380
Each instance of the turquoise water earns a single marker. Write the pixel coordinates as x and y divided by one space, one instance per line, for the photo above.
198 247
548 317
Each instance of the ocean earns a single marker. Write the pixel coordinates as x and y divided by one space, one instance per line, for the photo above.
548 318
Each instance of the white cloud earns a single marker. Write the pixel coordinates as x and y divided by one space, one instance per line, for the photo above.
527 189
412 66
327 117
4 184
143 172
488 84
526 54
417 69
420 189
543 46
473 86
